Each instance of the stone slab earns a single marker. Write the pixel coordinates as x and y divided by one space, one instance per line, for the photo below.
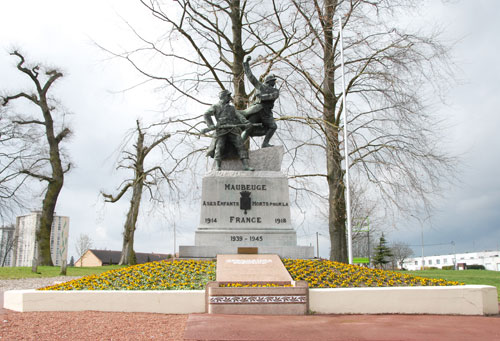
263 159
251 268
149 301
211 251
462 300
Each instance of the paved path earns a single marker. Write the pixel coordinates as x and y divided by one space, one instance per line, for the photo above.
342 327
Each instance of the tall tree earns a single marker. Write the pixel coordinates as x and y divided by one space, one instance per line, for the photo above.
392 135
143 178
51 166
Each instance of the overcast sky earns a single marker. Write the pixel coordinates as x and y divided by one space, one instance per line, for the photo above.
61 33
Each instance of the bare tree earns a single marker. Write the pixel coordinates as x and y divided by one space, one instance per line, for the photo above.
143 178
83 243
400 252
393 137
50 166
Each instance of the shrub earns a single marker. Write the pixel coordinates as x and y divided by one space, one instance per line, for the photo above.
448 267
475 267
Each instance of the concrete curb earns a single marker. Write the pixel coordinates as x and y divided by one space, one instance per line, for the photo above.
151 301
458 300
450 300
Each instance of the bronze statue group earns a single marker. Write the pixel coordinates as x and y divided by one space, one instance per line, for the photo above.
234 127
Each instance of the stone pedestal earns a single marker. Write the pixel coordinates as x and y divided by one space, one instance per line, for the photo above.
247 209
255 284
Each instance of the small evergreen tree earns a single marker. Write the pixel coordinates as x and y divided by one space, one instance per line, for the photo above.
383 253
72 261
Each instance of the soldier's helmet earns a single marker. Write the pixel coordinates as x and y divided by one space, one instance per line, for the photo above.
224 93
270 78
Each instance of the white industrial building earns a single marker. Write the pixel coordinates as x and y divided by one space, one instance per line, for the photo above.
489 259
26 227
7 241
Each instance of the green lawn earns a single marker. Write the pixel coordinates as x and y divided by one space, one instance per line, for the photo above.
52 271
483 277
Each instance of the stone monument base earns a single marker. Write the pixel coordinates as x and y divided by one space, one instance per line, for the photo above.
199 251
246 209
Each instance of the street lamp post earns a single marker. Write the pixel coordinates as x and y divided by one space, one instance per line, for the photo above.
422 238
455 253
317 245
423 260
346 154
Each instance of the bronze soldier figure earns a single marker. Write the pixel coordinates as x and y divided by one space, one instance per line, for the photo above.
261 109
227 130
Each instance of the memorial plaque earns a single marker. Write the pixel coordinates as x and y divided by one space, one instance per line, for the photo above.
248 250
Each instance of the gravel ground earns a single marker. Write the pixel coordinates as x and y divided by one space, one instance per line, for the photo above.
32 283
85 325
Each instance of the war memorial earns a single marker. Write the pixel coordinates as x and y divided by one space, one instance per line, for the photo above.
245 205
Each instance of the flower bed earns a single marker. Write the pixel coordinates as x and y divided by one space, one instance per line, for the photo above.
328 274
193 275
162 275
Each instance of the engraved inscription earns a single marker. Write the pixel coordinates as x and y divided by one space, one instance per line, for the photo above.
239 220
249 261
243 187
250 238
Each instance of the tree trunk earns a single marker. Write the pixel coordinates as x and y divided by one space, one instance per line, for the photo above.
53 189
240 97
336 200
128 254
34 261
63 268
43 234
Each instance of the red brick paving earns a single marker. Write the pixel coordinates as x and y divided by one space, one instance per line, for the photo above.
342 327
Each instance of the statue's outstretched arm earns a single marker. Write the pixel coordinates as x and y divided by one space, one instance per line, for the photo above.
248 73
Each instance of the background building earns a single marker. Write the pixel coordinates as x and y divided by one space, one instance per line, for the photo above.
108 257
489 259
7 241
26 227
